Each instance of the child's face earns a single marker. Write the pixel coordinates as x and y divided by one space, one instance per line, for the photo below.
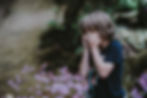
102 42
99 39
93 37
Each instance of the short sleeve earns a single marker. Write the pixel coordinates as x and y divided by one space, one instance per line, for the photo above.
115 54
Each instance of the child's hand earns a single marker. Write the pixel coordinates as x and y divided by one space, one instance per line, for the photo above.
93 40
85 41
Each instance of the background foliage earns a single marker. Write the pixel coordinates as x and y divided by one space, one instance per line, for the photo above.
60 44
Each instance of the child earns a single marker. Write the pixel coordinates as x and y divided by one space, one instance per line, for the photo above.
106 52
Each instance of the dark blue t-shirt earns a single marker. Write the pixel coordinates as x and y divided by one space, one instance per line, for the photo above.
112 86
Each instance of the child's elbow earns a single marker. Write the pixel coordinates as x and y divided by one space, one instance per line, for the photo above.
104 75
105 72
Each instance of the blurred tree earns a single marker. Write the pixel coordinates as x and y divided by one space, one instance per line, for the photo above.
5 7
61 42
142 17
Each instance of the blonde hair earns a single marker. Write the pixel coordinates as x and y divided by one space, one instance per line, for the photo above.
99 21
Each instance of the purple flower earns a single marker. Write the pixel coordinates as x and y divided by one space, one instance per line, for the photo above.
70 84
60 88
43 66
77 96
143 81
79 88
64 78
38 92
12 84
78 78
51 75
42 78
135 94
26 69
64 91
30 89
18 79
59 97
31 97
24 97
64 70
45 96
47 88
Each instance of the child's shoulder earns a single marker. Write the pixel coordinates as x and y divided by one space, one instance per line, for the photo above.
116 44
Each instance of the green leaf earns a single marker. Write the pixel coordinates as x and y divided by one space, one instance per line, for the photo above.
131 4
79 50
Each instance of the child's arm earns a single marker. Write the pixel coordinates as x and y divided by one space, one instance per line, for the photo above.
104 68
84 64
